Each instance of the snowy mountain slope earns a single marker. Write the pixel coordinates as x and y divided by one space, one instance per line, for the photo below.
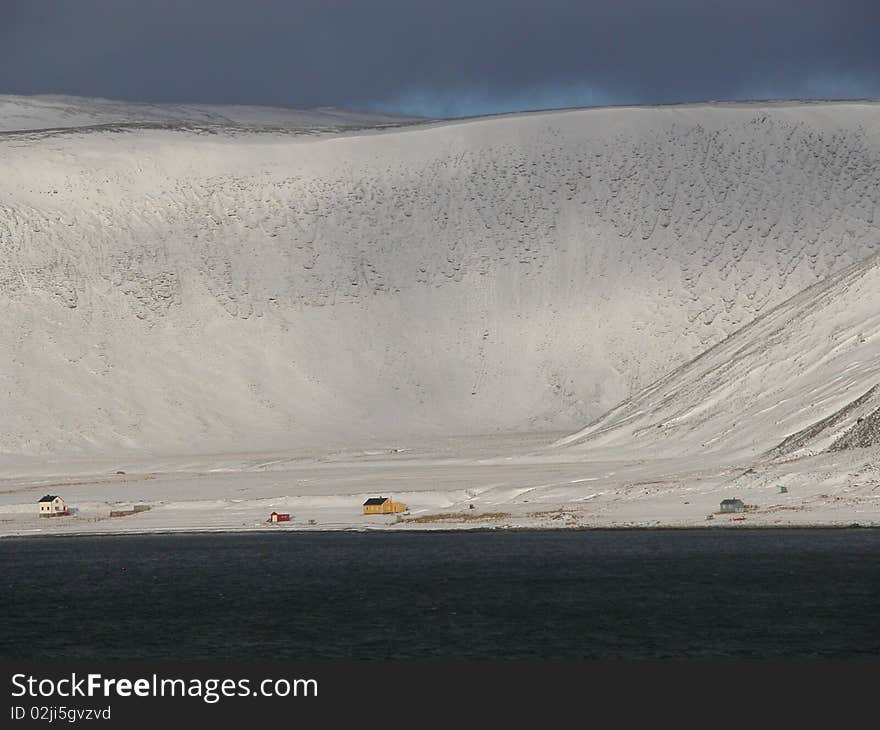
800 379
44 112
180 291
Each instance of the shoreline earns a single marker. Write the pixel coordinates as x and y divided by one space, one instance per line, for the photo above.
817 527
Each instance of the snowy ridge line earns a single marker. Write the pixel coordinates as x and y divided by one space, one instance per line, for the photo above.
50 113
81 113
199 128
799 363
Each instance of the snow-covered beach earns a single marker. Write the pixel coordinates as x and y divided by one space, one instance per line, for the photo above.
456 486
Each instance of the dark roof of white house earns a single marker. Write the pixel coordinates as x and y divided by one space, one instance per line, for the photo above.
376 500
49 498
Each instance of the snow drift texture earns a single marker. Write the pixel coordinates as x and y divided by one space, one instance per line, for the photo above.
241 285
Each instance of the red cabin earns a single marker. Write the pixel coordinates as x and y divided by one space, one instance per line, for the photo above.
279 517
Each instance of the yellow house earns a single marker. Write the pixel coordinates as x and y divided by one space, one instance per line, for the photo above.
382 506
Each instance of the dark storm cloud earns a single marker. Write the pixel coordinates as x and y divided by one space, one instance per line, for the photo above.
440 57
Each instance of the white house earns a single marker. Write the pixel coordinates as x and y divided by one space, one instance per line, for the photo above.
52 506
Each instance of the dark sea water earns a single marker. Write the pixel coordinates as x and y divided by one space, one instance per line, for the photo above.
584 594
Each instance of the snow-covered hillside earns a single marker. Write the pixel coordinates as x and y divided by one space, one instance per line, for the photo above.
801 379
186 290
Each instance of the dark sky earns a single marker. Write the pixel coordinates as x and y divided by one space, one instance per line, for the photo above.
441 57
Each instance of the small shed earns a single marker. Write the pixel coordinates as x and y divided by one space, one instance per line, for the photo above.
52 506
279 517
732 505
382 506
